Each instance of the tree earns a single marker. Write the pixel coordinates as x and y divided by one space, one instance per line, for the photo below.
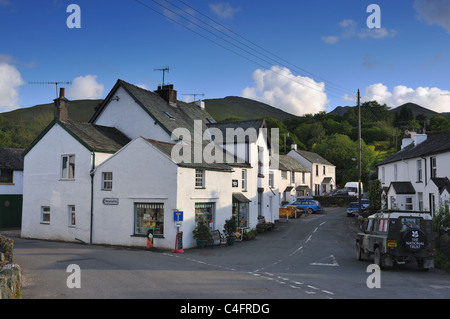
375 195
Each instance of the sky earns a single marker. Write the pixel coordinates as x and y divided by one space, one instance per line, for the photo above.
300 56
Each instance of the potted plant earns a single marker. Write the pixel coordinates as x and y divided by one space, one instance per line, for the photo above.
229 230
201 234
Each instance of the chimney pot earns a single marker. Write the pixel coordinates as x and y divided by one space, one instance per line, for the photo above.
61 107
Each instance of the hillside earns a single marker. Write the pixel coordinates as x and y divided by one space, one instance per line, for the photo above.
243 108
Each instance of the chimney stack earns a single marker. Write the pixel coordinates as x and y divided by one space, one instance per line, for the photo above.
167 93
61 107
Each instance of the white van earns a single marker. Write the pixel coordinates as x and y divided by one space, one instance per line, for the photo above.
352 188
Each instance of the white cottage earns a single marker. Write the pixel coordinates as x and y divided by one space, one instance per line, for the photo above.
112 179
323 173
421 165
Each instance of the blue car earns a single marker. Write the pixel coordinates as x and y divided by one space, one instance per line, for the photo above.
352 208
309 205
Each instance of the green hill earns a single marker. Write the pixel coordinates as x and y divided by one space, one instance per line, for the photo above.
243 108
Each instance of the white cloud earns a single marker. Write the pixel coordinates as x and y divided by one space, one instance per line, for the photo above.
223 10
434 12
85 87
280 88
434 98
10 80
349 29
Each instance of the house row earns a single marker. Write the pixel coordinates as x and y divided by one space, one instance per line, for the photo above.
416 177
145 159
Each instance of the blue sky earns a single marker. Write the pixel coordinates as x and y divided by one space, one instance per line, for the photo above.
310 56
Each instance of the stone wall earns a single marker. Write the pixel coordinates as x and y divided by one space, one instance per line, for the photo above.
10 274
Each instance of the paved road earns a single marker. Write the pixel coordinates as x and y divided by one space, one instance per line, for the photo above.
311 257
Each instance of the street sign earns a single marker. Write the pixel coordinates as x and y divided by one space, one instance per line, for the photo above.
177 216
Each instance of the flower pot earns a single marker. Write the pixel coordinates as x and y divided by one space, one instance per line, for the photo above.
230 240
201 243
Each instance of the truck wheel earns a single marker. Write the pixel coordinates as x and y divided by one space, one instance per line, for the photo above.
358 251
378 257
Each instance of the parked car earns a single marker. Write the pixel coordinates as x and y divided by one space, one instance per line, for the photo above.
339 192
352 209
397 237
365 203
309 205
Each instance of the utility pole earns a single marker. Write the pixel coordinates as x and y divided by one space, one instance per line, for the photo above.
359 155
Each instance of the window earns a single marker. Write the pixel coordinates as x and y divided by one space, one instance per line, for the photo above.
107 181
271 183
149 216
260 203
260 162
419 171
204 212
420 200
283 174
433 166
317 170
72 220
45 215
292 177
200 178
409 203
6 176
68 167
395 172
244 180
383 175
324 170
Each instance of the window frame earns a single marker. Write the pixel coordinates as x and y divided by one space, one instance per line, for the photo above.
200 180
43 220
105 180
68 173
71 212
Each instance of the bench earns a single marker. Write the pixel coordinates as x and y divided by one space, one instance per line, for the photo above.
216 238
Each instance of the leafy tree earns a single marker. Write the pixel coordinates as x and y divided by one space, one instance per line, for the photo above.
375 194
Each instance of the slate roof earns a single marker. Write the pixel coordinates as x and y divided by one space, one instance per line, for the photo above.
169 117
442 183
96 138
403 187
288 163
434 144
11 158
245 125
313 157
166 148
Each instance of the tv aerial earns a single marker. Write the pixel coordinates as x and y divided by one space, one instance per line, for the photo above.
56 83
163 72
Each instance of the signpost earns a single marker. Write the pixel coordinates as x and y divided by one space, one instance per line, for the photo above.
178 219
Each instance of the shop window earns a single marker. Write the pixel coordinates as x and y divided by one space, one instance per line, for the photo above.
149 216
240 213
204 212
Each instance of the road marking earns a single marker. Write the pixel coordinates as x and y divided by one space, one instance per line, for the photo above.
315 230
322 223
322 263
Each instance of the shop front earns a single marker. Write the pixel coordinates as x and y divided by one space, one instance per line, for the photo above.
241 213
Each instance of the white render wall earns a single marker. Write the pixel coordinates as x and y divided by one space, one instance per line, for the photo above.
131 119
141 174
42 186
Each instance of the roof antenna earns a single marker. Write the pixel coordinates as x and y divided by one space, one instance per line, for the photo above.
52 82
195 94
163 72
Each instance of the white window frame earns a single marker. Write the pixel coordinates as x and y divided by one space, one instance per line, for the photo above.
199 178
68 172
45 210
71 212
271 179
107 181
244 180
